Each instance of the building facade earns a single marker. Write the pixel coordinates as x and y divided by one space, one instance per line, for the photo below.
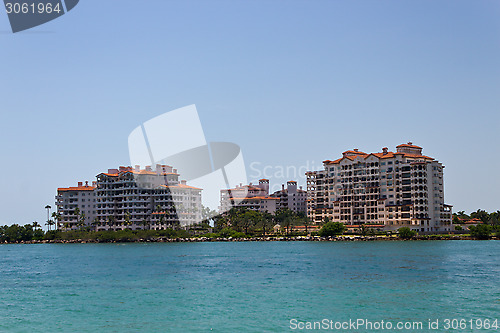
257 197
253 197
73 199
386 189
291 197
137 198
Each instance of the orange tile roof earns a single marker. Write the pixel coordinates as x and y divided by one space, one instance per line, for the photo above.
303 227
181 186
78 188
354 152
242 188
109 174
260 198
408 145
378 155
187 186
366 225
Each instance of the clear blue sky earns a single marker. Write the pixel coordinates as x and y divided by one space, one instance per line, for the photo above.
292 82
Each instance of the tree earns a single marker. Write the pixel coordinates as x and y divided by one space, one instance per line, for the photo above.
57 218
208 214
481 231
144 224
332 229
306 221
220 222
80 218
325 220
111 221
363 230
16 233
36 225
128 217
95 222
249 219
480 214
495 218
266 222
49 223
233 216
48 216
406 233
285 217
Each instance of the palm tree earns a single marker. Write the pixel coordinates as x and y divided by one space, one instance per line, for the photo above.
36 225
128 222
49 224
95 222
48 215
57 218
306 221
80 217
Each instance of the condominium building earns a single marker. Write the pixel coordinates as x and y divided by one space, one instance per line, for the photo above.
138 198
257 197
253 197
386 189
291 197
73 199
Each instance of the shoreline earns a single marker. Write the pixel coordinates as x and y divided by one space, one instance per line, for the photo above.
253 239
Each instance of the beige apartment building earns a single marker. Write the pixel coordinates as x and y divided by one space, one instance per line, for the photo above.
68 199
291 197
385 190
132 198
257 197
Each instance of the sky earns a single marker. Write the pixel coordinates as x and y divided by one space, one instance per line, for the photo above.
291 82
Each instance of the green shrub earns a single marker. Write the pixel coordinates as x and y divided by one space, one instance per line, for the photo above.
210 235
332 229
406 233
481 231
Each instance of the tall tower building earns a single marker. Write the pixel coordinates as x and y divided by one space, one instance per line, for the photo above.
387 189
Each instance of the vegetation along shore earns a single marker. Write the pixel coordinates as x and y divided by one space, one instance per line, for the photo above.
245 225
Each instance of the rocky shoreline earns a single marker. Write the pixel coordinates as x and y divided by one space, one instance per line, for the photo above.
257 239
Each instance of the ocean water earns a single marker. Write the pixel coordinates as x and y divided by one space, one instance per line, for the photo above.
245 286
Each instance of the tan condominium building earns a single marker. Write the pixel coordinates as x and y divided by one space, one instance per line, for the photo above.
134 198
79 198
291 197
387 190
257 197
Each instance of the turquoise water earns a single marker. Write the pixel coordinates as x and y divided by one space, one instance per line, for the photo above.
243 287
